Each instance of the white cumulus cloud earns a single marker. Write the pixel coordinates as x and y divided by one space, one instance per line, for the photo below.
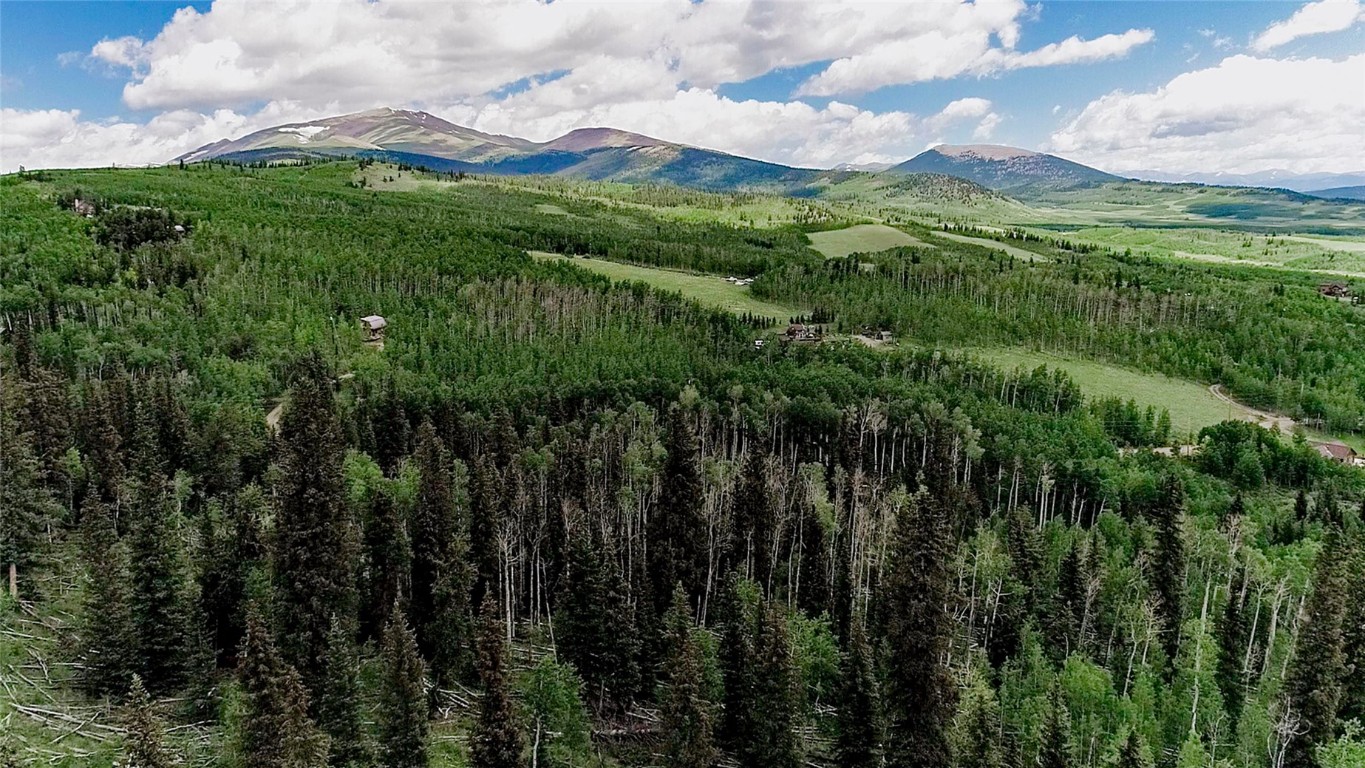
1312 19
1246 114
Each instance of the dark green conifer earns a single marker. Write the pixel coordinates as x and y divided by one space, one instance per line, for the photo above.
1168 563
338 702
686 714
1133 754
1232 641
677 525
738 663
858 740
440 573
145 736
1314 682
920 698
1054 751
315 548
595 627
497 740
162 610
773 742
109 641
276 731
388 564
403 701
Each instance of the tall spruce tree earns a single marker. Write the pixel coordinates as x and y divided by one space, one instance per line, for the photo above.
1314 682
1353 694
1168 564
677 524
315 548
497 740
403 703
387 564
485 514
753 522
685 713
857 742
1133 754
738 663
919 697
144 734
441 577
338 701
108 638
27 509
1054 750
275 730
162 610
773 741
595 627
1232 641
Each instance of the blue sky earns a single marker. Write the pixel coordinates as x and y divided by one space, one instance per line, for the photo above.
1172 86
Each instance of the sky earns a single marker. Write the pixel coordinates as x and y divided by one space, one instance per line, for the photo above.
1171 86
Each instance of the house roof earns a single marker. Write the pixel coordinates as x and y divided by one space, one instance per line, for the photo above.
374 321
1339 451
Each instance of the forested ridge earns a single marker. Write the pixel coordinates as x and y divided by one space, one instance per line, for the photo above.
557 521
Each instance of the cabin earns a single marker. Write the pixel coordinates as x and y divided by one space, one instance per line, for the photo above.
1335 290
1338 452
373 327
83 208
803 332
884 336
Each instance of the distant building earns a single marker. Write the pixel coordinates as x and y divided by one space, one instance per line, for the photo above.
373 327
1338 452
802 332
1335 290
83 208
884 336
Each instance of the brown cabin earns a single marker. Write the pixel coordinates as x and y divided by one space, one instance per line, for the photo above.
373 327
1338 452
1335 290
802 332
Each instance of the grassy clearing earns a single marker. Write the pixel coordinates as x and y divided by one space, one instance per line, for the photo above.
860 238
1341 256
1191 405
710 290
1015 251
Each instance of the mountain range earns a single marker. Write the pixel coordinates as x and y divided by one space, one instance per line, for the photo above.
425 140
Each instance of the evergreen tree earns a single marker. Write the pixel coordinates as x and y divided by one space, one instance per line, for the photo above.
496 741
1313 684
595 627
1055 748
1133 754
440 574
275 730
403 703
485 514
315 546
338 703
982 746
753 522
686 715
108 638
1232 640
162 611
738 662
145 736
814 595
1353 694
920 698
773 742
677 525
231 554
858 738
27 509
388 564
1168 566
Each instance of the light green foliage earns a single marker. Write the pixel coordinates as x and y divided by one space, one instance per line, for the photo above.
1348 751
558 722
816 652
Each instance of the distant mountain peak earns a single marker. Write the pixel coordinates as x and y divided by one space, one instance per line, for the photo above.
999 167
586 139
983 151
